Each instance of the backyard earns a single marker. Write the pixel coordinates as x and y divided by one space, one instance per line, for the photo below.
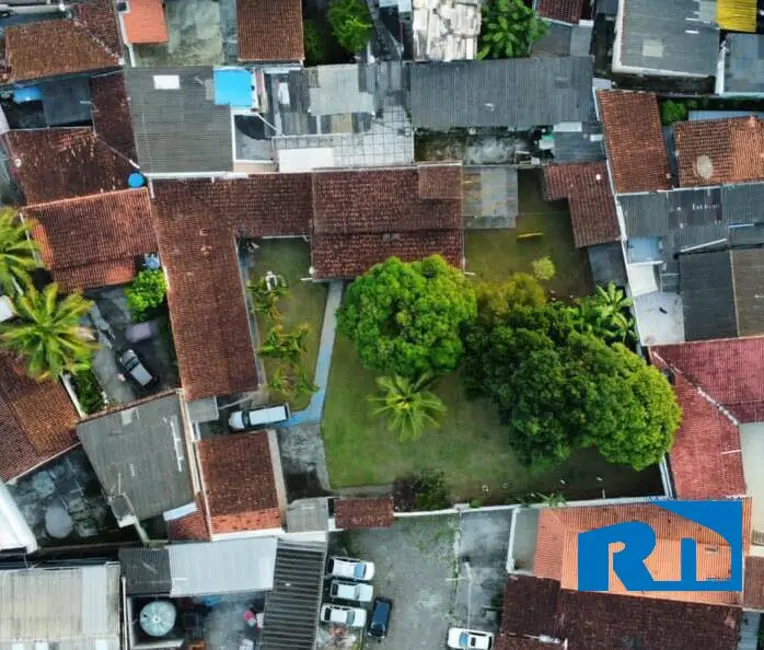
471 447
304 302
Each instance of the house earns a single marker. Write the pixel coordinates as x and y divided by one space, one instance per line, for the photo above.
140 453
81 608
518 94
93 241
270 30
38 421
743 65
541 614
676 39
142 22
564 11
86 40
562 39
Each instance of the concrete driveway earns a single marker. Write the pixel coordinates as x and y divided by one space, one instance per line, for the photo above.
415 563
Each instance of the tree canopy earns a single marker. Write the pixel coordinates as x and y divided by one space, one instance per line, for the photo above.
17 251
558 389
509 28
406 318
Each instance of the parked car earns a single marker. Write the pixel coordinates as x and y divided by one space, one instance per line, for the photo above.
133 365
380 618
358 591
460 638
341 615
348 567
240 420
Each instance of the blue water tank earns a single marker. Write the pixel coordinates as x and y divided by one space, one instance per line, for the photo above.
136 179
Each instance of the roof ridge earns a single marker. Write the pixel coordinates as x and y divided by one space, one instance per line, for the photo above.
87 197
82 24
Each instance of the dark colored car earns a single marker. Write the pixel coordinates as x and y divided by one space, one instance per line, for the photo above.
380 618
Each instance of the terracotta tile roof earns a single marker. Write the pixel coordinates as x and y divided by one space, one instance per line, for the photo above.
37 420
63 163
145 22
239 483
197 222
348 256
753 589
716 152
89 41
634 140
553 559
362 217
363 513
191 528
94 239
568 11
111 113
729 371
602 621
592 206
269 30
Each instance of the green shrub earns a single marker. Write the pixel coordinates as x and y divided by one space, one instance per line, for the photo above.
509 28
351 23
672 112
432 491
145 294
316 50
543 268
88 391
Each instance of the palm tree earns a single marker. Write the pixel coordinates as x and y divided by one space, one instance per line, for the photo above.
47 333
280 344
17 251
266 296
407 405
612 300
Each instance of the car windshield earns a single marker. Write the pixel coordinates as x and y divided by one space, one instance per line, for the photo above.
351 618
358 571
464 640
377 628
334 590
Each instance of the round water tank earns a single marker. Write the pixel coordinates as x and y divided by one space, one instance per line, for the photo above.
58 523
158 618
136 179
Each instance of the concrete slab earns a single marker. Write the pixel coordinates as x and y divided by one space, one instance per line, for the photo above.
660 318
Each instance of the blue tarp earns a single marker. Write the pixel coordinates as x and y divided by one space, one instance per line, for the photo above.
233 87
28 94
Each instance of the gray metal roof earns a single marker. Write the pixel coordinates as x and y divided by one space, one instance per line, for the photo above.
606 263
645 215
507 93
70 608
678 36
225 567
308 515
179 130
748 271
490 197
146 571
556 41
707 296
586 145
66 101
291 609
742 203
140 452
744 64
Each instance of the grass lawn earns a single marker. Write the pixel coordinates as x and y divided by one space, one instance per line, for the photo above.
304 304
471 447
494 254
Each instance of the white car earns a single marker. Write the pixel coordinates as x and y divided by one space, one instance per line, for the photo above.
358 591
241 420
339 615
460 638
348 567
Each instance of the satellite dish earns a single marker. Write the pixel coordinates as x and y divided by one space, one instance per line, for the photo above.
704 166
158 618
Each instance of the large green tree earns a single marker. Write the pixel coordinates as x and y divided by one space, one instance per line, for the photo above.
558 389
17 251
509 28
48 334
405 318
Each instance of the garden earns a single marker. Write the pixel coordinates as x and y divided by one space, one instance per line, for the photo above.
466 407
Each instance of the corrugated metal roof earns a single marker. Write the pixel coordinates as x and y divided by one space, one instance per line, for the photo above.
741 204
75 608
229 567
744 63
514 93
707 296
645 215
291 610
736 15
748 271
178 128
146 571
672 36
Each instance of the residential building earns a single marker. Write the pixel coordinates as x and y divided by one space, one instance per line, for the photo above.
142 22
81 608
743 65
564 11
269 30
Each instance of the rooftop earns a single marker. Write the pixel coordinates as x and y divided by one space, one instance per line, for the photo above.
586 186
568 11
507 93
363 513
87 41
139 452
240 483
634 141
192 527
716 152
93 241
111 113
145 22
679 38
38 420
743 63
82 612
557 547
708 295
270 30
445 30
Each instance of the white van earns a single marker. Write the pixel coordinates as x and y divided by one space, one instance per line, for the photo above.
241 420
